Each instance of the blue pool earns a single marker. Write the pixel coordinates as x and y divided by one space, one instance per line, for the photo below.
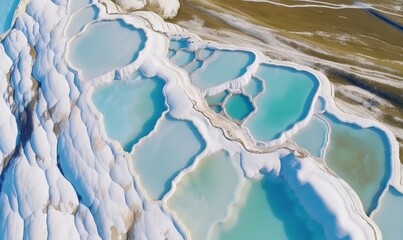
238 107
222 66
7 10
160 158
270 211
313 137
130 108
106 46
204 195
389 216
286 100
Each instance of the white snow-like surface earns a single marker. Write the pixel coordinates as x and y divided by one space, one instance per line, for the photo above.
61 177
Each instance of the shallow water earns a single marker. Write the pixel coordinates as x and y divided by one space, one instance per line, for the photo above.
216 98
254 87
216 108
130 108
313 137
160 158
238 106
190 68
361 157
7 10
79 20
75 5
287 99
106 46
178 44
270 211
223 66
204 53
389 216
203 196
182 58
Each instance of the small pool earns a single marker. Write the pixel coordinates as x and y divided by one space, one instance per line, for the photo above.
389 216
193 66
254 87
238 107
183 57
130 108
270 211
223 66
203 196
106 46
286 100
204 53
160 158
361 157
216 99
216 108
80 19
178 44
313 137
7 10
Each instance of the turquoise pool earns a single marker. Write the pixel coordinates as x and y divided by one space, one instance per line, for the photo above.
254 87
7 10
286 100
130 108
203 196
160 158
106 46
389 216
183 57
216 99
313 137
270 211
222 66
238 107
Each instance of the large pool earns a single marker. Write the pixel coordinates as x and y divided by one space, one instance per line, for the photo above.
361 157
389 216
286 100
160 158
269 211
203 196
130 108
106 46
222 66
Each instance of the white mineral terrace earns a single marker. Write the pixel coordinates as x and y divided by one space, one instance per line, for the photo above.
62 177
